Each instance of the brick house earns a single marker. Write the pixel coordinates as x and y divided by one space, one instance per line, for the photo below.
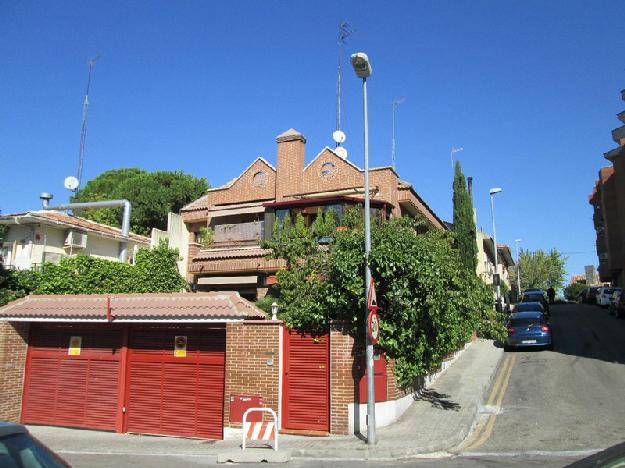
242 212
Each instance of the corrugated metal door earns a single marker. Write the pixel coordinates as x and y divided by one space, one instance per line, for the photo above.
306 404
179 392
77 389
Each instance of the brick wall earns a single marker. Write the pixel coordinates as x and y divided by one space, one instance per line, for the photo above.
248 347
344 375
13 348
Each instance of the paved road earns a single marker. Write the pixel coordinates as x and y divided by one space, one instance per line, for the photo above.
546 408
571 399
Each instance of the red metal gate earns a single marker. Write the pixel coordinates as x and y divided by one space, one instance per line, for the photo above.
306 395
72 376
175 381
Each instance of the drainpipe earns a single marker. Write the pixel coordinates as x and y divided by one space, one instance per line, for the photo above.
123 251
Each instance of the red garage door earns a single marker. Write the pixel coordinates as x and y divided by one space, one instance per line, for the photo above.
72 375
175 381
306 381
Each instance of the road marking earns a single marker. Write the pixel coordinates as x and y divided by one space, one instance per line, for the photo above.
534 453
486 422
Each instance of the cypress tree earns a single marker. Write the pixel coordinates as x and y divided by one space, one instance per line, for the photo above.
464 224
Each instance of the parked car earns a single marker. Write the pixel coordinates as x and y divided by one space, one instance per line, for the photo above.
20 449
529 329
534 290
604 295
529 307
536 297
589 295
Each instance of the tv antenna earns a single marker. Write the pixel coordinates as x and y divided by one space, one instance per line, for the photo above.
396 102
83 127
451 154
344 32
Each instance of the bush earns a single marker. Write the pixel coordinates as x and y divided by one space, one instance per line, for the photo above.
572 291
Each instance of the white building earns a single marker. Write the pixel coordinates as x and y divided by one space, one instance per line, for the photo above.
35 237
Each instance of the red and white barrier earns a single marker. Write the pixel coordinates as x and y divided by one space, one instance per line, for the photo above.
260 431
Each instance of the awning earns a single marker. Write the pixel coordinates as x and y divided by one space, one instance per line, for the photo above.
229 280
215 306
235 211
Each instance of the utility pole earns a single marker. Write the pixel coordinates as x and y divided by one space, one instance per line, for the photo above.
344 32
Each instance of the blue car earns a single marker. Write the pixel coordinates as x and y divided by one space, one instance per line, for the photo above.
529 329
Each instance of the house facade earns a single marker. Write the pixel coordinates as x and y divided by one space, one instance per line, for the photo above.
35 237
486 260
608 201
241 213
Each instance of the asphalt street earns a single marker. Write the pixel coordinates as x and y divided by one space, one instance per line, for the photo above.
545 408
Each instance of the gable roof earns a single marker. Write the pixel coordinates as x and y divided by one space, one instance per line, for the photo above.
63 219
200 203
210 306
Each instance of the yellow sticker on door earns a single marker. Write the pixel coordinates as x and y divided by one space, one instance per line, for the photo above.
180 346
75 343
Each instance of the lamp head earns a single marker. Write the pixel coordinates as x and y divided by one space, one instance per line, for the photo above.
361 65
495 190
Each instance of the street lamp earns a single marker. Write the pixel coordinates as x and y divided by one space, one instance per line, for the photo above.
362 67
492 192
518 267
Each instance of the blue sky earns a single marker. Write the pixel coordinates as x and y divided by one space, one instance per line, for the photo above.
530 89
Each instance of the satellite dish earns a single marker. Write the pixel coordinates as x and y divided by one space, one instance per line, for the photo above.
338 136
71 183
341 152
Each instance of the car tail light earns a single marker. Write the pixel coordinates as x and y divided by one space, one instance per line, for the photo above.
546 328
510 330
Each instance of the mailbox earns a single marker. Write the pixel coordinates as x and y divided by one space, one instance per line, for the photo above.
240 403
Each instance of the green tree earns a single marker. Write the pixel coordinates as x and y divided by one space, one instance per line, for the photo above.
464 224
572 291
152 195
542 269
430 304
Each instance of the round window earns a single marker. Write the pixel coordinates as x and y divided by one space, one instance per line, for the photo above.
327 169
259 179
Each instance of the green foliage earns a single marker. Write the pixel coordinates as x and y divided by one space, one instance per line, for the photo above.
542 270
155 270
430 304
572 291
206 236
16 283
464 224
152 195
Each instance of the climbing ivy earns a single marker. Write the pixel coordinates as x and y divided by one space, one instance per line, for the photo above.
430 304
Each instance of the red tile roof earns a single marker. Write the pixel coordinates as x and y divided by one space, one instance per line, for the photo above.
129 307
78 222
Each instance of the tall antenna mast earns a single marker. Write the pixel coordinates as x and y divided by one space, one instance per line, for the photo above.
83 126
344 32
396 102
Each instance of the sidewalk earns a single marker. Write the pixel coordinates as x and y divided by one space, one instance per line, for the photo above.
439 420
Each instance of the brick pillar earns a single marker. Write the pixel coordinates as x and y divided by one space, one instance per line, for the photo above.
344 356
13 348
250 345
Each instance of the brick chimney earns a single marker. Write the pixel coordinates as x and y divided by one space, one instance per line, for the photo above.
290 171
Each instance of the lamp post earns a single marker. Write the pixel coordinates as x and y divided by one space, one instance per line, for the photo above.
492 192
518 267
362 67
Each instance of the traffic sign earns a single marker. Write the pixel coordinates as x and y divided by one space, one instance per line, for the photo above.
371 297
373 326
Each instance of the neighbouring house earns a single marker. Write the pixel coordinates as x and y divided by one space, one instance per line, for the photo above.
35 237
241 213
486 260
177 237
608 201
181 364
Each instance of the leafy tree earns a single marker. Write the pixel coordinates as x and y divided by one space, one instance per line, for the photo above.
430 304
572 291
464 224
152 195
542 270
